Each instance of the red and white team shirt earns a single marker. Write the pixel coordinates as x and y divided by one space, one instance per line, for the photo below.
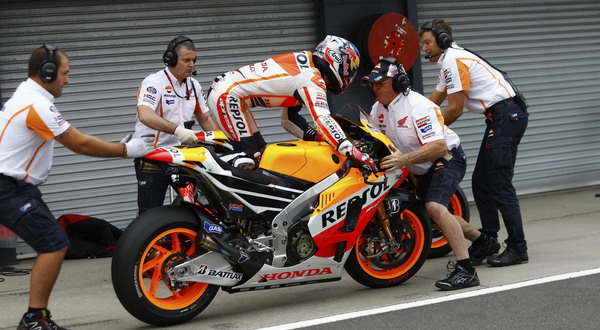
29 121
410 121
285 80
483 85
171 99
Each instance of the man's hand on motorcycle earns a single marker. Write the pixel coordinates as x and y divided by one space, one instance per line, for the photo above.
396 160
138 147
185 136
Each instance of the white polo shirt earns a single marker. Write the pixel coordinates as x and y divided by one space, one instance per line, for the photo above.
29 121
171 99
483 85
410 121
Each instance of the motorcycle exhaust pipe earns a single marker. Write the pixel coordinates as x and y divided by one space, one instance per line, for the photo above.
207 243
249 264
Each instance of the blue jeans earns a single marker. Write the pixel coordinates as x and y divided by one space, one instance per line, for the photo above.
493 190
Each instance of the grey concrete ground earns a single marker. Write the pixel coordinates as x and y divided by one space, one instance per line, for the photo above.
562 230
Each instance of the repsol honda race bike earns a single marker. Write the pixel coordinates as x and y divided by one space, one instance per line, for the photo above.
306 214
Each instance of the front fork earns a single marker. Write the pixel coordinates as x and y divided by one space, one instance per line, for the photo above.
385 242
384 221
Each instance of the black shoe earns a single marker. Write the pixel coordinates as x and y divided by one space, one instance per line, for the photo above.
38 321
508 257
458 278
479 252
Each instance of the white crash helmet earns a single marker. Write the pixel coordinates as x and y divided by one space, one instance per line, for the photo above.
338 59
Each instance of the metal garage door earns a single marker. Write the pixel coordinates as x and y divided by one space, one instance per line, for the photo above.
549 48
113 45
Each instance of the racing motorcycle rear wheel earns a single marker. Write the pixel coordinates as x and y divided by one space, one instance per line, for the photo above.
458 206
151 244
376 263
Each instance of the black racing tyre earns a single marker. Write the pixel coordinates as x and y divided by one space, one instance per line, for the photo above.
412 230
156 239
459 205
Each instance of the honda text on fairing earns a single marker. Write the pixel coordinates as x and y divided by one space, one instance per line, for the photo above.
307 213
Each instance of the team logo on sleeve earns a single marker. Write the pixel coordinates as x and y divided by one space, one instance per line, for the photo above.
53 108
59 120
149 98
424 124
448 76
151 90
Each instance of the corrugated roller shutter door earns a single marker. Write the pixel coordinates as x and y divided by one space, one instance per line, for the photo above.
549 50
112 47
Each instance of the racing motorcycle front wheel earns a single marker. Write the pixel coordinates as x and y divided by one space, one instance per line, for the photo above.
155 241
378 260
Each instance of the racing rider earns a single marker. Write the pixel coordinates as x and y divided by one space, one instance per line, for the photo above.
287 81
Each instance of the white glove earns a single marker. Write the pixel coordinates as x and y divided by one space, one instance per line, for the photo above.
185 136
135 148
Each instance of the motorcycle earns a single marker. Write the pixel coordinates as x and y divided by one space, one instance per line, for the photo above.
306 214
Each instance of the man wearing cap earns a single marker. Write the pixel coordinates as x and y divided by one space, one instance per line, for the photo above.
431 151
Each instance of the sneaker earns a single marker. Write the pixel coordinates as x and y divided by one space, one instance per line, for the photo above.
458 278
508 257
38 321
479 252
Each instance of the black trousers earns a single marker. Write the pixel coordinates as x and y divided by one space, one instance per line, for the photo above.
492 178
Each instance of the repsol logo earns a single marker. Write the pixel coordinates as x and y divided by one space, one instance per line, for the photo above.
370 194
302 60
333 128
296 273
236 112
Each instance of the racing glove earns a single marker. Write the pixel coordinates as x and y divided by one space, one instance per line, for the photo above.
347 148
139 147
185 136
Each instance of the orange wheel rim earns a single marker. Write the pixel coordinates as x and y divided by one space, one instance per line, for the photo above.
454 206
173 242
419 239
439 242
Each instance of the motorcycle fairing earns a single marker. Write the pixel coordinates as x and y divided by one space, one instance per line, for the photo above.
328 220
298 208
257 198
312 270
